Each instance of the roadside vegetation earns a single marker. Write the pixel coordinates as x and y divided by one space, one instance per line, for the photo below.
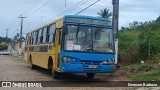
139 50
3 46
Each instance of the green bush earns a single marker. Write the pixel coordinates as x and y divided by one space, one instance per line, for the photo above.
128 46
149 43
139 41
2 47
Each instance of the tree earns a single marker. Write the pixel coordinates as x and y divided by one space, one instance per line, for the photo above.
17 37
158 19
105 13
3 39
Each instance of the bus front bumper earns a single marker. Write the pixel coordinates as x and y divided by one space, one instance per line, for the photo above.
81 68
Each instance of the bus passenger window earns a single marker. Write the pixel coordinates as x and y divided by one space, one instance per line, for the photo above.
47 35
41 39
39 36
32 39
34 36
44 35
51 33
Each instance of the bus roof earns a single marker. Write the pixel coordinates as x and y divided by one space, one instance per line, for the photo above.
51 22
72 16
86 17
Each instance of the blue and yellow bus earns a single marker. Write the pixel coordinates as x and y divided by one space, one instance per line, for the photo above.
72 44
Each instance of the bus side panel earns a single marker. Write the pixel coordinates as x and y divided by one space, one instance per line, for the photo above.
35 59
44 60
40 59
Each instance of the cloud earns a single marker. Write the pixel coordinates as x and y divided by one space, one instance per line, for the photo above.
130 10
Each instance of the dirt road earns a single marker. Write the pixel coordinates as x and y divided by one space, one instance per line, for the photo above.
14 69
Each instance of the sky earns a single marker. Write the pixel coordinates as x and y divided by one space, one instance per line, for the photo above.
40 12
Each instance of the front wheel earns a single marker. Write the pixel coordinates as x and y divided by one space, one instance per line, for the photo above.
55 74
90 75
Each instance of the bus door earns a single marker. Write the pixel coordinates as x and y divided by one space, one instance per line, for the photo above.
57 50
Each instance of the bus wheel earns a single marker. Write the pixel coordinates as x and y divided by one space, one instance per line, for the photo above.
55 74
90 75
32 66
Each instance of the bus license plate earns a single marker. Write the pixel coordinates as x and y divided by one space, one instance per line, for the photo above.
92 66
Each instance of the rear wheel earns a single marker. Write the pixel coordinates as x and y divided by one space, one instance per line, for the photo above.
32 66
90 75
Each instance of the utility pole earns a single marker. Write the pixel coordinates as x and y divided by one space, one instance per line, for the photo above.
20 46
115 21
65 4
6 34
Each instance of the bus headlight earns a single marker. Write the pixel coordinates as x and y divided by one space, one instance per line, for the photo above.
68 59
109 61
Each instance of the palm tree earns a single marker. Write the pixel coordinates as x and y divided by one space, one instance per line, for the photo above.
105 13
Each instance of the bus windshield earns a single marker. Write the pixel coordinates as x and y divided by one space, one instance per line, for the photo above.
88 39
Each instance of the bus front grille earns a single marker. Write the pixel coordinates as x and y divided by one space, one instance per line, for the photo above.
86 65
91 62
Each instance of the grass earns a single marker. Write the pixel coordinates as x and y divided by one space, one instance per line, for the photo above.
21 60
18 59
149 76
145 72
142 66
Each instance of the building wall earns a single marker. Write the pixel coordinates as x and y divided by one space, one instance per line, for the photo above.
17 45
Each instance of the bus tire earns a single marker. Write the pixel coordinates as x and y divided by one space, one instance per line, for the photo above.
90 75
55 74
32 66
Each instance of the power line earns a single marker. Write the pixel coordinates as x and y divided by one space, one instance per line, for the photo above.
74 7
30 7
65 11
67 8
78 6
38 8
87 7
25 11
